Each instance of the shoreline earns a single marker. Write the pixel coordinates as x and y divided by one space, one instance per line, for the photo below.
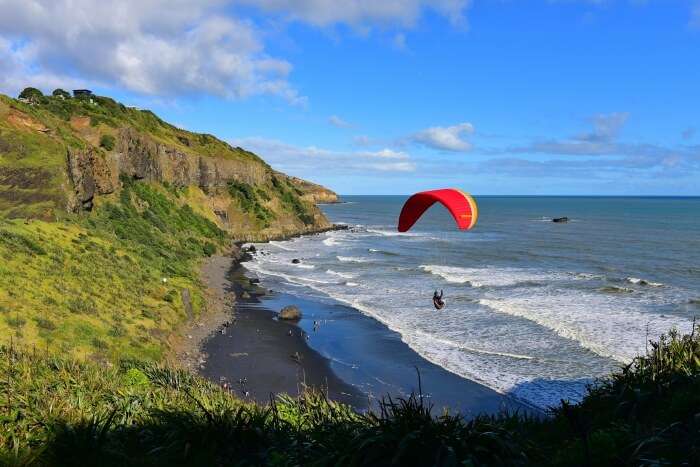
233 313
240 345
220 295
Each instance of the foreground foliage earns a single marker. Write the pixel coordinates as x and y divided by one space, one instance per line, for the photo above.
57 411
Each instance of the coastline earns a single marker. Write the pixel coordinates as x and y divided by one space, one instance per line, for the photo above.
239 344
266 366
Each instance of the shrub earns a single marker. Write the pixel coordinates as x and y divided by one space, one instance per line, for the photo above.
209 248
16 321
45 324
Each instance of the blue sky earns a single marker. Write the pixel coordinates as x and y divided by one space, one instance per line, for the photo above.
492 96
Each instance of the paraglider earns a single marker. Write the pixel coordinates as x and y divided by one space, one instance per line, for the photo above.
460 204
438 302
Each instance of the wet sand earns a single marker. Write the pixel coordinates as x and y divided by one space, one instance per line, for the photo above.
257 356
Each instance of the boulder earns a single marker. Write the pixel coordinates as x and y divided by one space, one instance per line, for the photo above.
290 312
296 261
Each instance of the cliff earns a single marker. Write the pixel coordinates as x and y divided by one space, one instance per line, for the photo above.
106 213
66 155
314 193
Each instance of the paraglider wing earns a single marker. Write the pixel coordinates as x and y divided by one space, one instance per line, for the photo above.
462 207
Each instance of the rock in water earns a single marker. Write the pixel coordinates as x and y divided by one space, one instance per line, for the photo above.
296 261
560 219
290 312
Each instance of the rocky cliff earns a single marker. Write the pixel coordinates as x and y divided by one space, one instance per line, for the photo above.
314 193
68 155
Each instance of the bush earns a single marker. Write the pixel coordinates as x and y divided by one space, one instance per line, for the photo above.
209 248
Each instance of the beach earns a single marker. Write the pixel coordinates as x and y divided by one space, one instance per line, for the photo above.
334 349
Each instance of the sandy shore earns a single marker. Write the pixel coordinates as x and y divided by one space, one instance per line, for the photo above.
221 300
240 344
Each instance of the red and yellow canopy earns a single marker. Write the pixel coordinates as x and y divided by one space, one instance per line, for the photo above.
460 204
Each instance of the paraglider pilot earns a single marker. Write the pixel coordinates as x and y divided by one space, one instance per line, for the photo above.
438 301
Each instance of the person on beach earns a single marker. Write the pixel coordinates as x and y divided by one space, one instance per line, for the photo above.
438 302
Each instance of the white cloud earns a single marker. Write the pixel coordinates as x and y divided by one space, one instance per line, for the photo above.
338 122
298 159
362 13
156 47
449 138
386 153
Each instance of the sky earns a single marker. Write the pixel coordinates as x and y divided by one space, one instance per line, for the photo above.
534 97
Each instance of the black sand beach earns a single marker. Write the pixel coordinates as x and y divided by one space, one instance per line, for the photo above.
257 356
352 357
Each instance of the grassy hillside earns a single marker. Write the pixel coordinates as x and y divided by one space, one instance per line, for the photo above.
142 414
105 214
94 286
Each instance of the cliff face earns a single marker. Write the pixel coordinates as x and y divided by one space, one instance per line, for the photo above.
314 193
53 157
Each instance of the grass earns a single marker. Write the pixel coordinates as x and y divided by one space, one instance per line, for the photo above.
59 411
93 286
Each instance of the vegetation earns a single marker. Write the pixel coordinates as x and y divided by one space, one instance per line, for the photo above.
31 94
107 142
251 201
136 413
290 196
93 287
58 92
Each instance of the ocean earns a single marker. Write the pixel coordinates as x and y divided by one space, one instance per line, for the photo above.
536 310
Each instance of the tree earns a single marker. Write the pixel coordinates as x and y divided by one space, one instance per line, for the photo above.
58 92
31 94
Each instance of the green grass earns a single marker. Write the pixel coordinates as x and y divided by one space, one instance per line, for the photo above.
93 286
59 411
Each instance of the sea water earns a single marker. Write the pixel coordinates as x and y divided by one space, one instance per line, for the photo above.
535 309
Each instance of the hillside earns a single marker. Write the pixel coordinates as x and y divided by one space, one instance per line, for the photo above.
107 211
63 154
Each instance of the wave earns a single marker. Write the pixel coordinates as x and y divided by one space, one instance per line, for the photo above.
489 276
281 245
330 241
612 328
305 266
344 275
353 259
615 289
382 252
637 281
394 233
465 348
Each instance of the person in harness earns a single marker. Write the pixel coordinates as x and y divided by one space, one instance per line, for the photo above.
438 302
